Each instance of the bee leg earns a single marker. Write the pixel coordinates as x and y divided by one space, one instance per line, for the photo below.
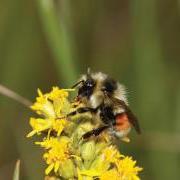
94 132
82 110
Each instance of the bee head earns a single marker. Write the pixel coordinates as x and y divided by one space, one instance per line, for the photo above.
87 87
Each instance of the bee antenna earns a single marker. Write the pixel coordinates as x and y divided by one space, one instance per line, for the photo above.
75 85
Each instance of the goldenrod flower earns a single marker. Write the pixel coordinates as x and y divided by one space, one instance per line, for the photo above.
60 101
53 106
112 164
59 125
43 106
110 174
39 125
111 154
57 153
127 168
66 154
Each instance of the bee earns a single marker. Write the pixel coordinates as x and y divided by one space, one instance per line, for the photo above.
106 99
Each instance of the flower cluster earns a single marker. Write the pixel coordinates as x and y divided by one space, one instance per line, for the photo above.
66 154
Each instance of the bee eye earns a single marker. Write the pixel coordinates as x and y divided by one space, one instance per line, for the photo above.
89 83
87 88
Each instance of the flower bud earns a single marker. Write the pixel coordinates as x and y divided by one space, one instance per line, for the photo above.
100 163
88 150
81 129
100 146
67 169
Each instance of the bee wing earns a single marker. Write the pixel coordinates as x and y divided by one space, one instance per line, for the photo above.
132 118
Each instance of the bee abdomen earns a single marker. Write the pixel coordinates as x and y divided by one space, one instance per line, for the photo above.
122 122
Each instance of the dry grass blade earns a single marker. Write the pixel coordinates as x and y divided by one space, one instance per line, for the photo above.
13 95
17 170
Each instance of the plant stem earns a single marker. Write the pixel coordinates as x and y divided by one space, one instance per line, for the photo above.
59 39
13 95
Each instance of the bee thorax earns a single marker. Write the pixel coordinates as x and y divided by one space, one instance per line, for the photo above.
96 99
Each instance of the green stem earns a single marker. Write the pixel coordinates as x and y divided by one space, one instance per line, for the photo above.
152 83
59 40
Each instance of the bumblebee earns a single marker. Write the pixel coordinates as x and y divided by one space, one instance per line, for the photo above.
106 99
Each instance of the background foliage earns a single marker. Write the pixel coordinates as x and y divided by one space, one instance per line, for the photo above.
45 43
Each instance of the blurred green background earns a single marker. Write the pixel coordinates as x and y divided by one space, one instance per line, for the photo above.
45 43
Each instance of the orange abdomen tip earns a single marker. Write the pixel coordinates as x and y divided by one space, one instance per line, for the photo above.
122 122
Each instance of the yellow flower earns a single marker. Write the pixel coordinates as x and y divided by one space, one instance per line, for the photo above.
59 125
57 153
110 174
43 106
111 154
98 167
39 125
90 173
127 169
80 177
67 154
112 165
57 93
52 105
59 97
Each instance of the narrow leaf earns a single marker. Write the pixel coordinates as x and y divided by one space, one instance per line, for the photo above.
16 171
